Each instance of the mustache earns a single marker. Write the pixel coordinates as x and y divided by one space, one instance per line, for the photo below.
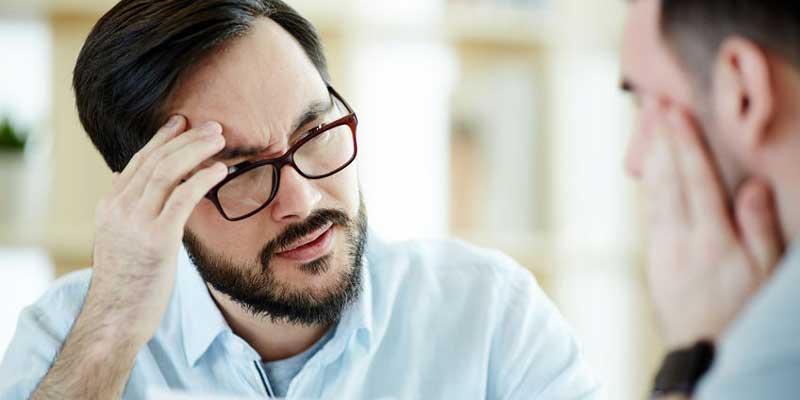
299 230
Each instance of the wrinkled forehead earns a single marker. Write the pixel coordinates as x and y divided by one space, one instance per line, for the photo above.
648 62
256 87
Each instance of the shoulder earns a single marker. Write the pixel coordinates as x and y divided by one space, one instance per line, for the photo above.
453 275
771 316
471 302
744 367
61 303
449 262
41 329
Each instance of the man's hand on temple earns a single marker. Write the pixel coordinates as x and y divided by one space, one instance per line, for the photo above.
140 225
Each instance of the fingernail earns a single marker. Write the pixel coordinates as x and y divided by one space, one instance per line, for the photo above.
173 121
212 128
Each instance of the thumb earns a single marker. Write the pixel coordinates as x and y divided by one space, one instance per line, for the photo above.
758 225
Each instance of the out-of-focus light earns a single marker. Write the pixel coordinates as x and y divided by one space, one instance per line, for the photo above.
24 276
403 89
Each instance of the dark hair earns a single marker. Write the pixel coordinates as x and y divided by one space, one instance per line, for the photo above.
136 52
698 28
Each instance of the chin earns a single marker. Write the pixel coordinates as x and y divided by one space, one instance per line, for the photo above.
318 275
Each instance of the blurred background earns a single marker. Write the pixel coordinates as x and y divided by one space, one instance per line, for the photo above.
518 137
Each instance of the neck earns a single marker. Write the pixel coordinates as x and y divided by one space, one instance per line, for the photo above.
272 340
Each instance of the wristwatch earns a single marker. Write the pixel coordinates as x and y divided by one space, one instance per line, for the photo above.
682 370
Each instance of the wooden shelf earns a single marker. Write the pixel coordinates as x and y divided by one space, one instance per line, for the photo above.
533 251
500 25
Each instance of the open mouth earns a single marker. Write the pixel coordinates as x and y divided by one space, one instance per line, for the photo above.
311 247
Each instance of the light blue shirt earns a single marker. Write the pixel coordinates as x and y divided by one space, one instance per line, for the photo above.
281 373
435 320
759 358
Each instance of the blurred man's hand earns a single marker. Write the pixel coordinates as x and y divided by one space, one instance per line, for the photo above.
705 261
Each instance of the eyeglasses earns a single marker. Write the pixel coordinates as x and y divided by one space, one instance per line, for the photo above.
321 152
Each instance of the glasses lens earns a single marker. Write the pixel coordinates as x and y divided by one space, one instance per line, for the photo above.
327 152
247 192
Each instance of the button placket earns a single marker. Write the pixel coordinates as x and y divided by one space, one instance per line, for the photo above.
306 376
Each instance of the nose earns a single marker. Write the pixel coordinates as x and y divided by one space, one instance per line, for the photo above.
296 199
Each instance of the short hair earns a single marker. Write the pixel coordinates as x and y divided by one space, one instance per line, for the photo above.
135 54
696 29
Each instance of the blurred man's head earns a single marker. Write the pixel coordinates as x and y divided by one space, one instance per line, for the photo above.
733 64
256 67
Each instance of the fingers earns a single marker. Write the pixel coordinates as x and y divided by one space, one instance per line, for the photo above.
174 125
705 193
178 161
758 224
187 195
664 198
204 139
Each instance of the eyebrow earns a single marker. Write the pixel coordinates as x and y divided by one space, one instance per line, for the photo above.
313 111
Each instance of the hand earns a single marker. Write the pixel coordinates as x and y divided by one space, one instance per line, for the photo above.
139 229
705 261
140 225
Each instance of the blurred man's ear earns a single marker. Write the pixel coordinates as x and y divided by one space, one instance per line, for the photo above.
743 95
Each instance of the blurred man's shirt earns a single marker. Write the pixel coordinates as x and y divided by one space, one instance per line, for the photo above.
761 351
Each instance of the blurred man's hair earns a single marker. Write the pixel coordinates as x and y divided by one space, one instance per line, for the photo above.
132 59
698 28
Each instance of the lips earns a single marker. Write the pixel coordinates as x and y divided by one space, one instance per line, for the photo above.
311 247
310 238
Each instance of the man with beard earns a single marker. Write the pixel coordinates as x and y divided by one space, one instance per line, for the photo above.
281 291
717 151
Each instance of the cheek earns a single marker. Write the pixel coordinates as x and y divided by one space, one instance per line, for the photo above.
240 240
725 131
341 190
725 154
205 218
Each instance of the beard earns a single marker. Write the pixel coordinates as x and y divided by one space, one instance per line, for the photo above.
256 289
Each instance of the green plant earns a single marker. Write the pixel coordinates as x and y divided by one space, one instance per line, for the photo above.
12 139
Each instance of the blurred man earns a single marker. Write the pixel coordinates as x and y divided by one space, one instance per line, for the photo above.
221 121
717 151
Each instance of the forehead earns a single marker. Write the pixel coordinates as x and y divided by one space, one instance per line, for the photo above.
648 63
255 87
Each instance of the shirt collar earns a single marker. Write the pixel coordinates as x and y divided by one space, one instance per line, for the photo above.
202 321
357 320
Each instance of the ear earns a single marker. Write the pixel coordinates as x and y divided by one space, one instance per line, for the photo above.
744 97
